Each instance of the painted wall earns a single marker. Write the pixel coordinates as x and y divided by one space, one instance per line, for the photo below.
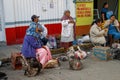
18 16
21 10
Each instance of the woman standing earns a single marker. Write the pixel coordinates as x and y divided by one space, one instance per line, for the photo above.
68 30
104 11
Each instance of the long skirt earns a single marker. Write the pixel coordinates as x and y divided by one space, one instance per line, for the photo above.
43 55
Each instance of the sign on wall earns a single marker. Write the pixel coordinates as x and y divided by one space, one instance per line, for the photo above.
84 13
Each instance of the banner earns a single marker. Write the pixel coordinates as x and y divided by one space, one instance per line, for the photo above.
84 13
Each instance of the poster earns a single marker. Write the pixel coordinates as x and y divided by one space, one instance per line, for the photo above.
84 13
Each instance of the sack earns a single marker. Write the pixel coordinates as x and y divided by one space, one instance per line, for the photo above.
86 38
115 53
80 53
16 61
52 42
75 64
32 68
52 64
74 59
115 45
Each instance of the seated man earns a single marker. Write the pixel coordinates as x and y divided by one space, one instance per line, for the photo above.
113 29
97 35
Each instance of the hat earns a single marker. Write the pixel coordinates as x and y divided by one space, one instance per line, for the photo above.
34 16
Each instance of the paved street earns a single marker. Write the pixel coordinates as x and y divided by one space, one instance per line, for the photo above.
93 69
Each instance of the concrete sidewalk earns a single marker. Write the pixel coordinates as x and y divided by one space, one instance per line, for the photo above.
5 51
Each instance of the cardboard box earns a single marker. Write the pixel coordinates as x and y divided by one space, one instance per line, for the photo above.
102 53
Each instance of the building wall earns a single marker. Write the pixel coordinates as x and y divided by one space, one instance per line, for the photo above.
18 16
2 31
21 10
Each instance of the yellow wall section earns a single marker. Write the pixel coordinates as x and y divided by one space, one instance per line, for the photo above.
119 10
84 13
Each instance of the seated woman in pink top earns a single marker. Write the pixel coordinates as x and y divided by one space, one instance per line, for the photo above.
43 55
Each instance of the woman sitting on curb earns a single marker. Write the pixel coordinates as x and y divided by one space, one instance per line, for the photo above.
113 29
97 35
